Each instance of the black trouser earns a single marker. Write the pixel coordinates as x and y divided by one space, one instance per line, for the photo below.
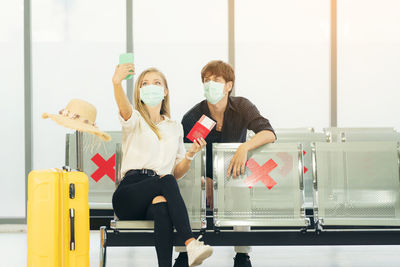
133 201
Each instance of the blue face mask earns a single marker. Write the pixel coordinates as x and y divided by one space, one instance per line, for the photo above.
213 91
152 95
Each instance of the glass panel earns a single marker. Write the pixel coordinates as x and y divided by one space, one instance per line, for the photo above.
75 48
184 37
358 183
305 138
282 59
267 195
192 189
98 164
368 63
12 156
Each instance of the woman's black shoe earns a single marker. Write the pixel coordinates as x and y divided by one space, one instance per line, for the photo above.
242 260
182 260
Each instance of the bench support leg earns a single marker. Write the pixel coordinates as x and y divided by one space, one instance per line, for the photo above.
103 246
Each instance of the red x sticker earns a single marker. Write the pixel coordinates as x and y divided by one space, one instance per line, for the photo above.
105 167
305 168
287 165
260 173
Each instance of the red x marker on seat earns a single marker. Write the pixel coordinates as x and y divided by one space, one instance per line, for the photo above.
105 167
305 168
260 173
287 165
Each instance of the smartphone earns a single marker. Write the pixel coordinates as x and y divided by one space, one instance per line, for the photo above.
126 58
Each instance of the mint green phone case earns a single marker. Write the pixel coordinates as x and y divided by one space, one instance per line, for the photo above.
126 58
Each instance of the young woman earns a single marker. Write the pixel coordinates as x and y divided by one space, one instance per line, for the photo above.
154 157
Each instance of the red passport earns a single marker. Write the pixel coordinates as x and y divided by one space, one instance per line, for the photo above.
201 129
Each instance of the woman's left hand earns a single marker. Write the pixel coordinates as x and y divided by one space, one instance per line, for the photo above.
197 145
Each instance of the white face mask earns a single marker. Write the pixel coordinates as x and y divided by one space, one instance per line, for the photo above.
152 95
213 91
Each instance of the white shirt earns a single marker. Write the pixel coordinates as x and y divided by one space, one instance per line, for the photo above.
141 148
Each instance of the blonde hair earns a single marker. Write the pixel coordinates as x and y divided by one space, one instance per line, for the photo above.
140 106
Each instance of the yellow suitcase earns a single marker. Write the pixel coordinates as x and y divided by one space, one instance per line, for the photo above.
58 219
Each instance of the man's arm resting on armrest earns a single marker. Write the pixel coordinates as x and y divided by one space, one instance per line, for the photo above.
261 138
238 162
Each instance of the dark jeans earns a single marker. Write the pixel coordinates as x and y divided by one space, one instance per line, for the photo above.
133 201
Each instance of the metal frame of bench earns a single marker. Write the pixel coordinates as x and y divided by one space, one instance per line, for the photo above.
315 234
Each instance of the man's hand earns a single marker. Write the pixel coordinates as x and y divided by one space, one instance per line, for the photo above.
238 162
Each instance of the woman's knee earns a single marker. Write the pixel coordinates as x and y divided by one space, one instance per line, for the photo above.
168 179
158 199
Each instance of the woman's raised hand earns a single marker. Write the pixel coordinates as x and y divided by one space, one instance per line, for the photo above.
122 71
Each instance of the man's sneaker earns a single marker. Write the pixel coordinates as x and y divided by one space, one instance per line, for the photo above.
182 260
198 252
242 260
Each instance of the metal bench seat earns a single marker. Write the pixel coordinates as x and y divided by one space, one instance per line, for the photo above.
125 225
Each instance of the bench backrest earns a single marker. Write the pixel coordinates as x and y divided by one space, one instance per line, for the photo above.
102 164
98 162
269 194
357 183
362 134
304 136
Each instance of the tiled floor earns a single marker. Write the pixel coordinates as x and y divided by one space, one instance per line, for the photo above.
13 254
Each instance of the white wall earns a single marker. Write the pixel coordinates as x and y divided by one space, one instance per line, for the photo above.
12 155
369 63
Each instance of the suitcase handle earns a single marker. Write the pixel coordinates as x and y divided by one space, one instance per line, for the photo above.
71 191
72 225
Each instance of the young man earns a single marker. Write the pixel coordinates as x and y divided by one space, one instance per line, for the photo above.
234 116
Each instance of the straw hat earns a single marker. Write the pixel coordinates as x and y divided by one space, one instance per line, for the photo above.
78 115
